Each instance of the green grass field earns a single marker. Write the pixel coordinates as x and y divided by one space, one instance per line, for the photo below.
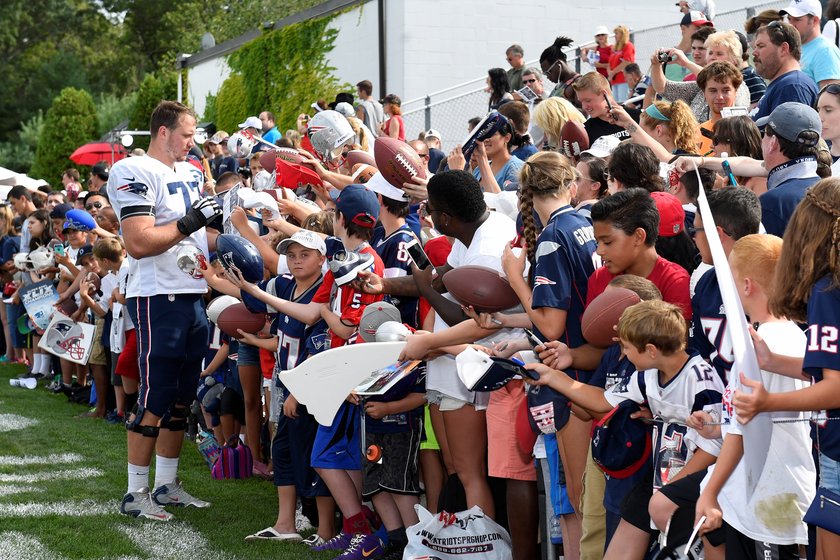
62 477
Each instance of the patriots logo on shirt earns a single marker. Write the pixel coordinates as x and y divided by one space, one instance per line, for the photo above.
134 188
543 281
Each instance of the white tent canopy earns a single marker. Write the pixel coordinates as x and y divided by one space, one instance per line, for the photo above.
11 178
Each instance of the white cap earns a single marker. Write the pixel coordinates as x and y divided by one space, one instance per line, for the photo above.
251 122
603 146
379 184
799 8
432 133
308 239
345 109
602 30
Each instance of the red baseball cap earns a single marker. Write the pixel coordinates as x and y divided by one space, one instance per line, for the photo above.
671 214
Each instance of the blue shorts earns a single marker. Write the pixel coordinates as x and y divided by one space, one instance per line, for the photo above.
559 497
829 473
339 445
247 355
172 337
291 450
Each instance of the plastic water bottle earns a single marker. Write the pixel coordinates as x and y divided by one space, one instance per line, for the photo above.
670 461
556 534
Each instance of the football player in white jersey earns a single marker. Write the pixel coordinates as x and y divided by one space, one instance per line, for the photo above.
162 213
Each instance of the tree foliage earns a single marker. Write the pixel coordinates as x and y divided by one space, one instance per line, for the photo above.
280 76
70 122
231 103
152 90
18 154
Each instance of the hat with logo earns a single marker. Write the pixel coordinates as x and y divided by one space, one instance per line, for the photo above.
789 120
603 146
308 239
374 316
695 18
251 122
358 205
85 251
621 445
799 8
78 220
432 133
671 213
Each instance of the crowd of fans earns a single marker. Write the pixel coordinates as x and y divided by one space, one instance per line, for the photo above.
756 140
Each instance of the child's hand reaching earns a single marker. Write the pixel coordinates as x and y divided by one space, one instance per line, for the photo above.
376 410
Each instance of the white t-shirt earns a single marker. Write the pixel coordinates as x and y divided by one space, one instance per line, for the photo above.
486 249
788 482
144 186
120 321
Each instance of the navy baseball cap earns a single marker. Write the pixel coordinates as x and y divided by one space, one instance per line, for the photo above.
359 205
621 445
60 211
85 251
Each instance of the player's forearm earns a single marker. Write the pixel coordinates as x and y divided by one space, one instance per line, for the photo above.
730 455
151 241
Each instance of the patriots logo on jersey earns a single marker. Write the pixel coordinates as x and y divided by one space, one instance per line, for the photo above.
543 281
134 188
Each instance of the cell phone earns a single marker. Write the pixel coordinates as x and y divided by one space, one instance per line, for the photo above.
417 254
59 250
533 339
527 94
609 105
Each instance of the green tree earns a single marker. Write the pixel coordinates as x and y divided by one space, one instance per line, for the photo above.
152 90
18 153
113 110
231 103
70 123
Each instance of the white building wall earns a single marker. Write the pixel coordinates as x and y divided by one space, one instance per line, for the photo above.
355 56
205 78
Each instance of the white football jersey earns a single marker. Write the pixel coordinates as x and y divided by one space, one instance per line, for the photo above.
145 186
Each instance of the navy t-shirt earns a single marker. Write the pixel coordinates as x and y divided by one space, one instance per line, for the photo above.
778 203
612 370
822 353
414 382
8 247
709 336
397 263
795 85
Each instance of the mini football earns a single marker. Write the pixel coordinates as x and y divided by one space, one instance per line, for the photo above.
602 315
95 282
237 253
481 287
362 173
237 317
573 139
219 304
397 161
355 157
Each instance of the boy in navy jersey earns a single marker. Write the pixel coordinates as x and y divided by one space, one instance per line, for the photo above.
737 213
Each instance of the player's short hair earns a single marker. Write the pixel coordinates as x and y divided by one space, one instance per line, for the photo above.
654 322
227 180
642 287
458 194
593 81
755 256
629 210
168 114
110 248
736 210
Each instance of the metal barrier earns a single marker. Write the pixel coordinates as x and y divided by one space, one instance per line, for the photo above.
448 110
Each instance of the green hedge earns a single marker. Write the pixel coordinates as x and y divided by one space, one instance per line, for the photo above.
71 122
231 104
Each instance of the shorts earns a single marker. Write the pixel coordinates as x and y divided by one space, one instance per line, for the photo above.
446 403
127 365
247 355
232 403
291 451
429 440
116 380
559 497
397 471
172 336
829 473
505 458
742 547
97 352
339 445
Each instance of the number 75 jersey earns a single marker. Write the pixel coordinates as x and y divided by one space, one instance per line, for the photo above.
145 186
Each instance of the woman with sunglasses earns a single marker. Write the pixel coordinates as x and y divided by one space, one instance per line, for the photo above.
492 163
738 136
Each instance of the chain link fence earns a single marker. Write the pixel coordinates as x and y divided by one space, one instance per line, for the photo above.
449 110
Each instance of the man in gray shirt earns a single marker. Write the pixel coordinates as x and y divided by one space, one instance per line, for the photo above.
369 110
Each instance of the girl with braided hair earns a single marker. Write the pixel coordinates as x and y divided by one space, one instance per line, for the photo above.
562 257
807 289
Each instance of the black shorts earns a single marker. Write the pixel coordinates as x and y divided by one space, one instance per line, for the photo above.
291 450
397 471
683 492
741 547
232 403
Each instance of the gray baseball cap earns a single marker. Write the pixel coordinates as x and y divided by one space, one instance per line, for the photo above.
789 120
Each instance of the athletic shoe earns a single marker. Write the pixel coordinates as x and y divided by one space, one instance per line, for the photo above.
302 523
113 417
173 494
339 542
271 534
313 540
141 504
363 547
347 265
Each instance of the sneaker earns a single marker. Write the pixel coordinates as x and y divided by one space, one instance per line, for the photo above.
313 540
347 265
271 534
302 523
173 494
113 417
363 547
141 504
339 542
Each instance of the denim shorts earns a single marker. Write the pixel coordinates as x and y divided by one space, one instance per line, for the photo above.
829 473
447 404
247 355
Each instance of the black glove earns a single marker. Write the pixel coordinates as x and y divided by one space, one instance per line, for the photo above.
201 213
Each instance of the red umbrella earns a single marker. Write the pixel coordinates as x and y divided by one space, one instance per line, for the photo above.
93 153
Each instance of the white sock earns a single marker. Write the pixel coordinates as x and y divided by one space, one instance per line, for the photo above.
36 363
46 362
166 470
138 477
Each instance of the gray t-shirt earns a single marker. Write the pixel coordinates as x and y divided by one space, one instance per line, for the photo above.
374 115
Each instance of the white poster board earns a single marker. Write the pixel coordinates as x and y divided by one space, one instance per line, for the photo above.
68 339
